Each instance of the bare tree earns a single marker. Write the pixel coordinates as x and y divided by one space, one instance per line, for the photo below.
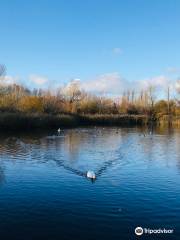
2 70
132 96
2 75
73 92
168 100
178 86
178 91
151 99
152 96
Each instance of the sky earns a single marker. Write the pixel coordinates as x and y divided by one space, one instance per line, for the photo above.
107 44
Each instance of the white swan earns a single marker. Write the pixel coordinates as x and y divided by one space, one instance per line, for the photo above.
91 174
59 130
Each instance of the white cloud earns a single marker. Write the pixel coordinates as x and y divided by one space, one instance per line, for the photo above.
7 80
115 84
110 83
158 82
173 70
177 85
117 51
38 80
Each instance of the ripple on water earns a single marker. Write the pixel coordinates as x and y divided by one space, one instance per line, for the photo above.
43 183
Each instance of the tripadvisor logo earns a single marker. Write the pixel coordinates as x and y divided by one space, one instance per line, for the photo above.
139 231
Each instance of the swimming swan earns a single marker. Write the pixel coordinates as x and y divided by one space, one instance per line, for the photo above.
91 174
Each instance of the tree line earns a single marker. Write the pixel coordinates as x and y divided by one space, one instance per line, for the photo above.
74 100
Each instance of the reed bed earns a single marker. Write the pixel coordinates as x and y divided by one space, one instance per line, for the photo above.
113 119
14 121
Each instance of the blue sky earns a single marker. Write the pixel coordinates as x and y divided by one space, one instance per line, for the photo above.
60 40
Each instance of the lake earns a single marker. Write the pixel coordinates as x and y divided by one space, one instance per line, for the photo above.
44 192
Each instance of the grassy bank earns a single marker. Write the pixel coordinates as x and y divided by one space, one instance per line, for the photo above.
20 121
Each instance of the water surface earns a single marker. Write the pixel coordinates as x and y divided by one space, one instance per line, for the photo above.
44 193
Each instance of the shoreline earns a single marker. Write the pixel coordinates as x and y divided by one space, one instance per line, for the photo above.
28 122
19 121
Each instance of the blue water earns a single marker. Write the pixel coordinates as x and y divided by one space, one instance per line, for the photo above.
44 193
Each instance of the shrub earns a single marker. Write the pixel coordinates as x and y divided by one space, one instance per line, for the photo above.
161 107
88 106
7 103
30 104
51 104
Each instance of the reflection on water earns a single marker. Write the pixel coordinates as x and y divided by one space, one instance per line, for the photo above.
2 178
68 148
42 182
